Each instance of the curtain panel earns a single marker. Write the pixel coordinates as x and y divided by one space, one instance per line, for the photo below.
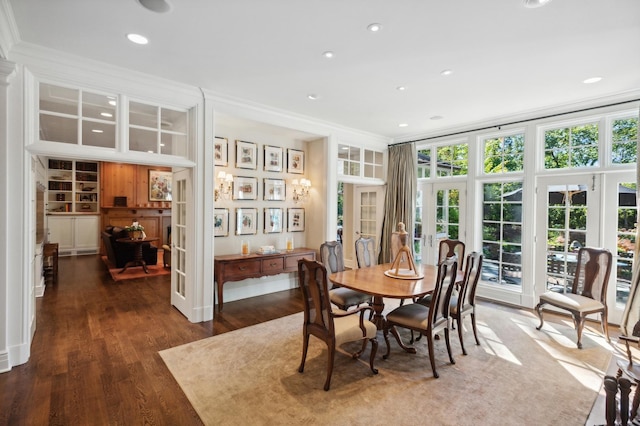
400 200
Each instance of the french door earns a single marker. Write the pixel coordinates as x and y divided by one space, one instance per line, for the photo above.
181 284
442 209
586 210
369 212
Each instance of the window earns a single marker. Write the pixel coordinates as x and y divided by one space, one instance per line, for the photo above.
157 130
348 160
571 147
626 240
424 163
624 139
452 160
504 154
62 109
502 233
372 164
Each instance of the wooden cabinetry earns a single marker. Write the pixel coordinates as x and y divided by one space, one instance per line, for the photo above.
236 267
72 187
75 234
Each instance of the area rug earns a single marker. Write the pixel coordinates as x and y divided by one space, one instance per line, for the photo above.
137 271
518 375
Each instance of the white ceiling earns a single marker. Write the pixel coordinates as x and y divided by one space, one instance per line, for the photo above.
506 59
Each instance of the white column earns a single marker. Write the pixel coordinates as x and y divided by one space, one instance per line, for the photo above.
8 270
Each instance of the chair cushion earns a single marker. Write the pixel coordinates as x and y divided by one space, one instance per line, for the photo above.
346 297
413 315
348 329
570 301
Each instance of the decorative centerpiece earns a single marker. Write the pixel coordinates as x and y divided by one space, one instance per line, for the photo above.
136 231
404 253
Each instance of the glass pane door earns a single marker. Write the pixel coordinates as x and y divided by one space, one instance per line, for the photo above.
181 286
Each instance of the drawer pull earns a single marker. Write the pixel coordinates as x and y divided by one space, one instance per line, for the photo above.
242 268
273 264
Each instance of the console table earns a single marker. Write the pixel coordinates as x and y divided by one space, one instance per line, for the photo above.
236 267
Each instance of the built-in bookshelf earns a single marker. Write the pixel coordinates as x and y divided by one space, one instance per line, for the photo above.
72 187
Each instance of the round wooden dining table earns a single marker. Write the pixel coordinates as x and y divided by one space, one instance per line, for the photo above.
373 281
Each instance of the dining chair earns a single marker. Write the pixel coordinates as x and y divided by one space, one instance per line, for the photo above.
427 320
365 252
448 248
588 293
332 257
463 303
333 328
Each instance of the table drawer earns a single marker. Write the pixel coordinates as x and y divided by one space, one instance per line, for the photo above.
241 270
291 262
272 265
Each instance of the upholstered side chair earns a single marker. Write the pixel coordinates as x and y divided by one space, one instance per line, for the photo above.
332 257
588 294
365 252
333 328
427 320
463 303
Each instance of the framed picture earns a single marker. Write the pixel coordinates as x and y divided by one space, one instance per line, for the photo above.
220 222
246 221
245 188
274 190
246 155
295 161
221 152
273 158
295 220
159 185
272 220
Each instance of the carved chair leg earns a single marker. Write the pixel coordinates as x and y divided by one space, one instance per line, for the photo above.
305 346
635 404
374 350
578 320
356 355
605 324
625 389
611 389
331 354
539 311
473 324
448 342
432 355
386 339
459 321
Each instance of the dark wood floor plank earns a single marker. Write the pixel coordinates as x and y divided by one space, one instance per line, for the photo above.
94 357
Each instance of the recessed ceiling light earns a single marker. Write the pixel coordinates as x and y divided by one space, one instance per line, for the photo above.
106 114
97 131
374 27
161 144
113 103
137 38
403 125
401 88
150 152
535 3
446 72
592 80
312 96
436 117
159 6
328 54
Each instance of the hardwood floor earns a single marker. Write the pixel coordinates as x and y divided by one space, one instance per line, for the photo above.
94 358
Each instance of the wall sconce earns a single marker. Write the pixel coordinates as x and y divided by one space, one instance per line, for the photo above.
224 186
301 190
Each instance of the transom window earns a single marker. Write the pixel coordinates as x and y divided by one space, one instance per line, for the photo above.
624 139
157 130
504 154
452 160
78 117
571 147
